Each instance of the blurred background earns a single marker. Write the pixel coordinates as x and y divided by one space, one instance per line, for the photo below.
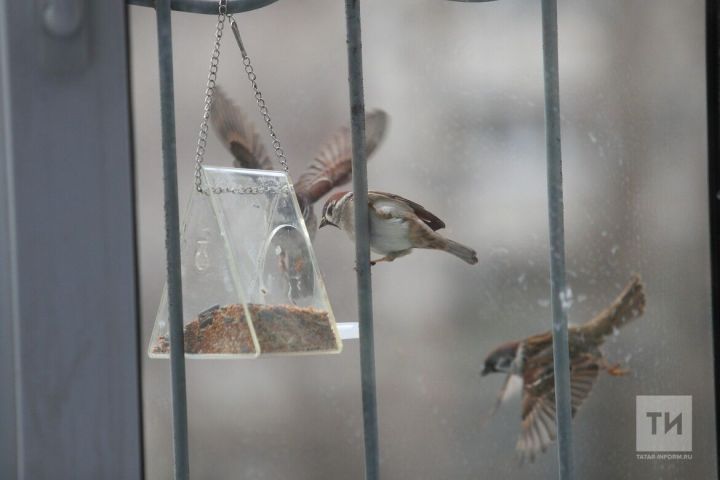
462 84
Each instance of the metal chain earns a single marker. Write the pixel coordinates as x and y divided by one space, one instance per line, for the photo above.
209 91
262 106
251 190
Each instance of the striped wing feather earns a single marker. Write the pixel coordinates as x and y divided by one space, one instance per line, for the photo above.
538 415
430 219
332 167
238 134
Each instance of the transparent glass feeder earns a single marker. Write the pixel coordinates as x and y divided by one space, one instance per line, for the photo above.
251 283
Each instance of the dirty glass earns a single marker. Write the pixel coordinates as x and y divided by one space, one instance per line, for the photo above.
462 85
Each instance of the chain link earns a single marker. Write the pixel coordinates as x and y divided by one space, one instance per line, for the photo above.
209 91
262 106
251 190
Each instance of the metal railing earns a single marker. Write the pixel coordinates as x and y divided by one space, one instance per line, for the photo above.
364 285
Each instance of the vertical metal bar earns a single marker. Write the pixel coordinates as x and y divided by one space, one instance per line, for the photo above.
172 242
561 353
10 395
712 52
362 240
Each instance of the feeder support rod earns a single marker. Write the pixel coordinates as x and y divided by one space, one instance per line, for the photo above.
559 294
172 242
362 239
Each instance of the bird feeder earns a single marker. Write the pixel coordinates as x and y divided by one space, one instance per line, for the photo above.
251 283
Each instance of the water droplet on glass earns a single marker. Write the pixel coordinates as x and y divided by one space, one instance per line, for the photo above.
614 250
543 302
566 299
202 258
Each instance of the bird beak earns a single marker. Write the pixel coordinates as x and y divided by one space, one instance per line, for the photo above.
324 222
485 371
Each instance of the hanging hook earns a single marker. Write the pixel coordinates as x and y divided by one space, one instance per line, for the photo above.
238 38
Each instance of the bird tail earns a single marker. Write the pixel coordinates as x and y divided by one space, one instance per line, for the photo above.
628 306
462 252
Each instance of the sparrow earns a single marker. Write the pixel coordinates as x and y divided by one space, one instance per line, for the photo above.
531 362
397 225
331 167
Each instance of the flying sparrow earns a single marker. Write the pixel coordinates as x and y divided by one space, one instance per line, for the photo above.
331 168
531 361
397 225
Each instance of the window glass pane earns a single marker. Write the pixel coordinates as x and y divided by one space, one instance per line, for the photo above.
462 84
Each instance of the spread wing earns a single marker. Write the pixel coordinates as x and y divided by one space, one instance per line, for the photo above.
237 133
332 167
538 406
427 217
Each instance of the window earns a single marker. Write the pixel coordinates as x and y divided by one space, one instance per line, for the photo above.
463 86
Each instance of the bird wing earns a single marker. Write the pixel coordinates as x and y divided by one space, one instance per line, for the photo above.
388 205
629 305
538 405
237 133
332 167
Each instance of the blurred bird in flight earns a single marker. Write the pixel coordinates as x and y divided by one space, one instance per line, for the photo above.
331 168
531 362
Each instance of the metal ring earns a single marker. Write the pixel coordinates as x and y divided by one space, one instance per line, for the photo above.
207 6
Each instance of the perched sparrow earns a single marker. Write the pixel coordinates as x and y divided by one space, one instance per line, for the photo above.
331 168
397 225
532 361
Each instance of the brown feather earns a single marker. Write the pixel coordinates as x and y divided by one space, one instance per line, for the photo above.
430 219
332 167
538 405
629 305
237 133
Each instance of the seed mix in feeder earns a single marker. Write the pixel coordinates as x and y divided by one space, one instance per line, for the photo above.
279 329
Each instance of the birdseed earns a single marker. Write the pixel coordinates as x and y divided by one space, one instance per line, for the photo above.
279 329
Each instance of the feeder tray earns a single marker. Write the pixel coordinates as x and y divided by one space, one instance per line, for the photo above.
251 284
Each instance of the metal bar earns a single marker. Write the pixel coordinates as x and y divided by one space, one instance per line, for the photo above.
10 395
209 7
172 242
559 292
362 239
712 52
